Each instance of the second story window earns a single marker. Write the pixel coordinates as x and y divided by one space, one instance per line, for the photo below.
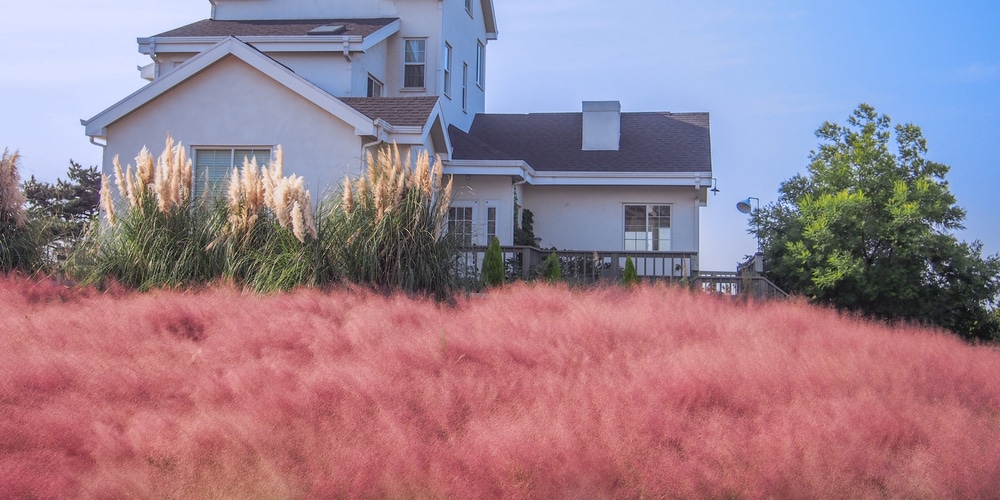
414 63
468 6
374 87
480 65
447 70
465 87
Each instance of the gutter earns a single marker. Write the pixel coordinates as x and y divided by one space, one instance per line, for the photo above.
379 125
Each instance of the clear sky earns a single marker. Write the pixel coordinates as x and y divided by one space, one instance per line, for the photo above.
769 72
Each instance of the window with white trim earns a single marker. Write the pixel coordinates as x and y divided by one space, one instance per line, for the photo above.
465 87
212 167
468 7
414 62
647 227
480 64
447 70
374 87
491 220
461 220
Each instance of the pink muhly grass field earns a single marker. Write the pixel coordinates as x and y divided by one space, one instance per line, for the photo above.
526 392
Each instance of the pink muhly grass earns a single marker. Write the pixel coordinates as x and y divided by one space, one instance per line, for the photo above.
524 392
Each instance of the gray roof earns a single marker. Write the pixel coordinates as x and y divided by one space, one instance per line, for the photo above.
291 27
650 142
399 111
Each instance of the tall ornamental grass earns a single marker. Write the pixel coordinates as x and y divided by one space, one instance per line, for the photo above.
21 239
152 237
583 393
267 230
388 231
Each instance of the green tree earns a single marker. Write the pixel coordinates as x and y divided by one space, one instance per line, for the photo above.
493 266
629 276
869 230
551 268
68 206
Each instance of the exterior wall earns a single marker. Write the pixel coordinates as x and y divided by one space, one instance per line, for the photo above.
418 19
232 104
326 70
167 63
304 9
374 61
462 32
481 192
593 217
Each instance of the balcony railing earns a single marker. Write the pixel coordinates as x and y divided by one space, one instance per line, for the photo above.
588 267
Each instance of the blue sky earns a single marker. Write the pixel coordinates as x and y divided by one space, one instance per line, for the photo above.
769 72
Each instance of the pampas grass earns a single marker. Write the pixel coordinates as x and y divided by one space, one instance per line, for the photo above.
21 239
386 231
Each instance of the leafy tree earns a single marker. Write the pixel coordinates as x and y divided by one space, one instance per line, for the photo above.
68 205
868 230
493 266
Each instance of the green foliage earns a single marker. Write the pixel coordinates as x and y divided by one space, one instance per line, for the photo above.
629 276
147 248
388 230
869 230
69 205
21 237
524 233
551 269
493 264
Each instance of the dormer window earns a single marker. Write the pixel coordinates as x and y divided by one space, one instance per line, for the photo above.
414 63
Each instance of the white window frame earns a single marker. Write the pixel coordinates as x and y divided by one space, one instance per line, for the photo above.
447 69
465 87
491 224
217 184
421 63
375 84
480 64
469 8
653 238
473 230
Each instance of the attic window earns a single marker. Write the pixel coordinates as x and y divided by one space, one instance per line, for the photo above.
328 29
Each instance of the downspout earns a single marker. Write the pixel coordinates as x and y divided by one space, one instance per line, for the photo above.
347 48
378 140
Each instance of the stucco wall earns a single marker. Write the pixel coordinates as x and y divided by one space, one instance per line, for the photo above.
232 104
481 192
592 217
462 32
326 70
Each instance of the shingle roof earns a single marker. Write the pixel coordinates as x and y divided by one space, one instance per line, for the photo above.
650 142
292 27
399 111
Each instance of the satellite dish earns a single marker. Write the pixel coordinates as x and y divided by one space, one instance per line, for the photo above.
744 206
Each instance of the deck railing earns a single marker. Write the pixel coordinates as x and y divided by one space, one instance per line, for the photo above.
587 267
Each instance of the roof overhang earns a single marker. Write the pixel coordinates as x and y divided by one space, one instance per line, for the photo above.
299 43
550 178
97 126
510 168
490 18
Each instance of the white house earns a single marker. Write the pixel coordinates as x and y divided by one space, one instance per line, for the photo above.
328 80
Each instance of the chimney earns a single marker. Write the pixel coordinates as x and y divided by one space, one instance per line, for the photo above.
602 125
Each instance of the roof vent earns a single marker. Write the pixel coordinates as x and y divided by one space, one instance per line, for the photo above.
328 29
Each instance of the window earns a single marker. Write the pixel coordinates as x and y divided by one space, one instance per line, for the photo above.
213 166
468 7
465 87
414 63
491 222
460 224
447 70
480 65
647 227
374 87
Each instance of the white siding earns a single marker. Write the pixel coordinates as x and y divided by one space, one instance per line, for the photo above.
592 217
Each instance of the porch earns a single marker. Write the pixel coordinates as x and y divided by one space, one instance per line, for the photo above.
595 267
